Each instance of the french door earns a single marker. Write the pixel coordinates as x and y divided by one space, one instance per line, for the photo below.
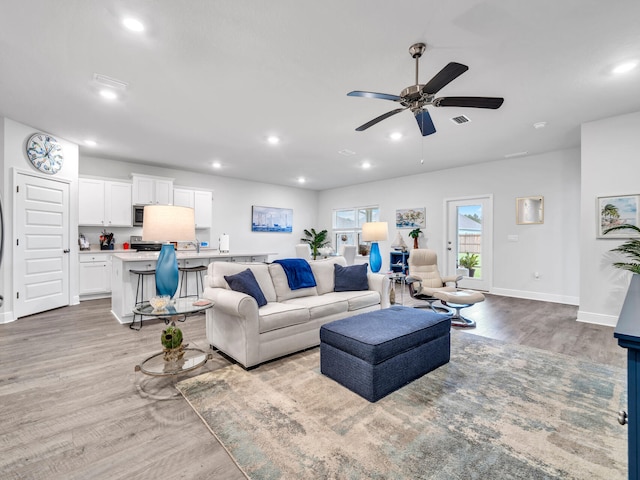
41 248
469 238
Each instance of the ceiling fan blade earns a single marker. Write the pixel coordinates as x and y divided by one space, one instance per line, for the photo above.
448 74
425 123
475 102
383 96
378 119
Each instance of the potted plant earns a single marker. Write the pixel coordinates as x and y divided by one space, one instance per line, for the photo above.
315 240
415 233
630 248
469 261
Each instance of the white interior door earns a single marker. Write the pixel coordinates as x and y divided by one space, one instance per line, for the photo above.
41 260
469 231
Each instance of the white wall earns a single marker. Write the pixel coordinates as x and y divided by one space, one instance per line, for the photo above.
14 158
232 201
610 166
550 249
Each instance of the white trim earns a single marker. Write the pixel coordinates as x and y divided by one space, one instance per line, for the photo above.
544 297
6 317
597 318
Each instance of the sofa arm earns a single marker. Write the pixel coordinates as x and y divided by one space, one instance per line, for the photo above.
233 303
380 283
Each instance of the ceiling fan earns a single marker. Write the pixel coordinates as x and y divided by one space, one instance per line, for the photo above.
417 97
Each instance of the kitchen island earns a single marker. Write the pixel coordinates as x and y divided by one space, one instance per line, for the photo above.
124 283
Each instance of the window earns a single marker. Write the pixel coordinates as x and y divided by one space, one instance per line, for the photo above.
347 224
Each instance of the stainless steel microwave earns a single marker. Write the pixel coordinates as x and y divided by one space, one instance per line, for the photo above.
138 215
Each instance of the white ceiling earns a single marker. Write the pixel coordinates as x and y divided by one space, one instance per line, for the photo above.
210 80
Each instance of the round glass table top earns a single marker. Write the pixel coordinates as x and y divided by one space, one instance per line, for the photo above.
179 306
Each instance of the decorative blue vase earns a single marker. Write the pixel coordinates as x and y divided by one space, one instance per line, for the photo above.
375 259
167 271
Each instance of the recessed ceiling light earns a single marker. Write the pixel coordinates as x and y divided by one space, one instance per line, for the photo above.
216 165
133 24
539 124
301 180
625 67
395 136
108 94
90 143
366 165
273 140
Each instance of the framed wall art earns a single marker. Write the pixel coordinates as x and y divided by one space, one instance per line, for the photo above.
411 218
529 210
617 210
271 219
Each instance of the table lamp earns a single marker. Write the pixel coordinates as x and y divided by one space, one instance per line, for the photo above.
374 232
164 223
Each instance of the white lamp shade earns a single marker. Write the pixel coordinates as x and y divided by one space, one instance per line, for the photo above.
168 223
374 231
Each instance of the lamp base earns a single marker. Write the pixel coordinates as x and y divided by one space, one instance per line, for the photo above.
375 259
167 271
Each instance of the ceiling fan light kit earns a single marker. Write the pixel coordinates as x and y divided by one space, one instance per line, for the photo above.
417 97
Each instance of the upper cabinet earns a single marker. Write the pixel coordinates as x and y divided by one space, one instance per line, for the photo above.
199 200
152 190
104 202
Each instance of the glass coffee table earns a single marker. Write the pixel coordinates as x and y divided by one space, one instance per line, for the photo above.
181 307
192 358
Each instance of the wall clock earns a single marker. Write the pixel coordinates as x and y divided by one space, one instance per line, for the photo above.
45 153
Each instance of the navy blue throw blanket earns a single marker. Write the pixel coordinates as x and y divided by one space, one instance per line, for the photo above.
298 271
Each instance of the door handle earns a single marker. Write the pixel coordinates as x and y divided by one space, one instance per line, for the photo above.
66 250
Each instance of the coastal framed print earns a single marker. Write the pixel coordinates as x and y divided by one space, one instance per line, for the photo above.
271 219
411 218
617 210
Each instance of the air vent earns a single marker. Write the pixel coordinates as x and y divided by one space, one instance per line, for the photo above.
460 120
346 152
110 82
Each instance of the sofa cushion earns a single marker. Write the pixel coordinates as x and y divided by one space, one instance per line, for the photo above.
246 282
217 271
353 277
281 285
359 299
323 270
321 305
275 315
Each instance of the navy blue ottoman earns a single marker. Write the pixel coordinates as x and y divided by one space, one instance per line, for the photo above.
375 353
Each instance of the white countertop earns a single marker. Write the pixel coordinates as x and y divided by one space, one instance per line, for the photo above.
182 254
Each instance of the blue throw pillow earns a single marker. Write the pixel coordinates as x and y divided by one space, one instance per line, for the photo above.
245 282
350 278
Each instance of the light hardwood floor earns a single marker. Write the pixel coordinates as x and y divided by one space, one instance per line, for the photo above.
72 406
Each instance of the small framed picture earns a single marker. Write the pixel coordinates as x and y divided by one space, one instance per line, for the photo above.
271 219
614 211
411 218
529 210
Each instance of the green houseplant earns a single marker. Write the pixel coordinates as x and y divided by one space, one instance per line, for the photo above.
630 248
315 240
415 233
469 261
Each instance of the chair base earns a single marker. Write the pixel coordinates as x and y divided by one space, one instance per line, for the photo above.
458 320
435 308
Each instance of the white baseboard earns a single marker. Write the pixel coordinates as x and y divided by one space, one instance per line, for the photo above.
544 297
597 318
6 317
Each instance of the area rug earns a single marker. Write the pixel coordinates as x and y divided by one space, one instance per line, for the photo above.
496 411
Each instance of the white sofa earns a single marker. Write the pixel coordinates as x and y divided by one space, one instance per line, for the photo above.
291 319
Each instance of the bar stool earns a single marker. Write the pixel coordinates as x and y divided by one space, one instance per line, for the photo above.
185 279
140 292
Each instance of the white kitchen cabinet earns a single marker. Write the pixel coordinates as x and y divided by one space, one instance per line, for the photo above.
104 202
199 200
152 190
95 274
